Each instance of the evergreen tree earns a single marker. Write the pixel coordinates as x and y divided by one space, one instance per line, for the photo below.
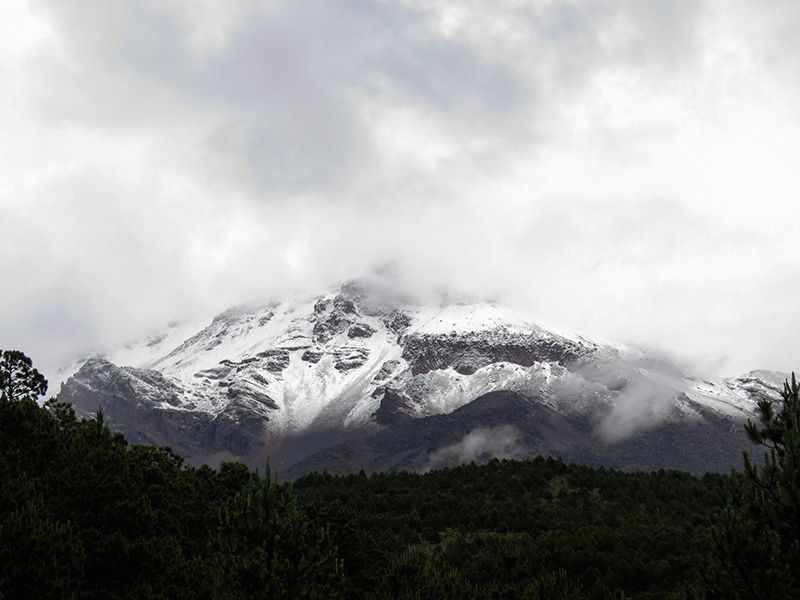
39 557
757 542
268 548
18 379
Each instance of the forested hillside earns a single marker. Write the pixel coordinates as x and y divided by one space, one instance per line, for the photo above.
506 528
83 514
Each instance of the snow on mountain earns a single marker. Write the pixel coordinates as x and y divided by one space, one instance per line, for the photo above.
355 360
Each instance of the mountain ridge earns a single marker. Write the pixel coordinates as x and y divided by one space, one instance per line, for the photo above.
295 379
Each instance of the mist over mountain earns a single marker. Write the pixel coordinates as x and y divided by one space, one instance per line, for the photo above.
624 171
366 377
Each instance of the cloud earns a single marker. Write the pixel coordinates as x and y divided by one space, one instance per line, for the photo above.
50 333
289 73
620 169
639 407
479 445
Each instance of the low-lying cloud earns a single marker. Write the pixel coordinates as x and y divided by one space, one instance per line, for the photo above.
640 406
479 446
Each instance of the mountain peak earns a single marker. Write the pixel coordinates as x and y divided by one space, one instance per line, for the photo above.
289 377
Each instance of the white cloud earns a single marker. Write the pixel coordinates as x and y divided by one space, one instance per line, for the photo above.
479 445
638 408
620 168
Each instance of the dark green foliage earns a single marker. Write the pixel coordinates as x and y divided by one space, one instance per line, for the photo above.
511 529
84 515
33 541
423 573
18 379
756 545
269 549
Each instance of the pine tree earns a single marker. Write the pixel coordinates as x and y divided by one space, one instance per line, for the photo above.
268 548
757 542
18 379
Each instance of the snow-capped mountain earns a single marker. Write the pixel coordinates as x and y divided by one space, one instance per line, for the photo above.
331 382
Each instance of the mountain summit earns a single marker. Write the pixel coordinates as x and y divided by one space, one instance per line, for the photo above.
363 377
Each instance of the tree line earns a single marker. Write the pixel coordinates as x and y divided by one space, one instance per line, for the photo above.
84 514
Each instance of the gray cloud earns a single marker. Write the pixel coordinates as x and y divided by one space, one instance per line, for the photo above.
620 169
479 445
289 70
51 332
641 406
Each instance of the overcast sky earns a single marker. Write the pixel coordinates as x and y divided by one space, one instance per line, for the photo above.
624 169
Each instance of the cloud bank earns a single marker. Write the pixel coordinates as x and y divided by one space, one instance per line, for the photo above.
622 169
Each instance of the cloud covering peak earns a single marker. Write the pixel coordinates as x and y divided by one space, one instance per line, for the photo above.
624 169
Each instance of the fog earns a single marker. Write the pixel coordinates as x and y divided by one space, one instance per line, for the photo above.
641 406
479 446
626 170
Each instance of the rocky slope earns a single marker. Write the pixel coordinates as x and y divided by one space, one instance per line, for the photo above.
365 378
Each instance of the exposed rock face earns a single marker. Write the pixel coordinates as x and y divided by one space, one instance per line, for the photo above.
312 356
399 383
141 404
346 358
394 408
360 330
760 385
331 317
388 369
469 352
